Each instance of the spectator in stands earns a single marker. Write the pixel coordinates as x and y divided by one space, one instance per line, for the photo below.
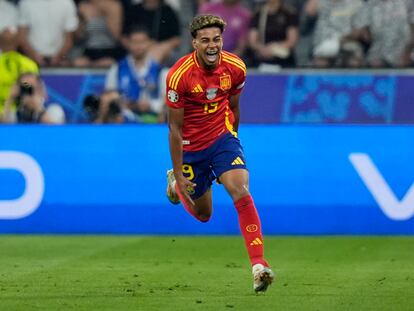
273 34
162 22
387 27
90 112
237 18
100 30
114 109
109 107
46 30
137 76
336 34
12 63
29 95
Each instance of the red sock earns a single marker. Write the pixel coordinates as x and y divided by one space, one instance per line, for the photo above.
251 229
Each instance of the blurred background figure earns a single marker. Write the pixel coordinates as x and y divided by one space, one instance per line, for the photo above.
46 30
336 34
387 29
90 106
12 63
162 22
237 18
99 32
109 107
114 109
29 95
137 76
273 35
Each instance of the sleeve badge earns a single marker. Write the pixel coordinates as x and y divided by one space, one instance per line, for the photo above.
172 96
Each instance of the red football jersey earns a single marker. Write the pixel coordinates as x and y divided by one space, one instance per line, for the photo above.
204 95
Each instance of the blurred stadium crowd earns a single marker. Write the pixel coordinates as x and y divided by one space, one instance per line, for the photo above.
134 40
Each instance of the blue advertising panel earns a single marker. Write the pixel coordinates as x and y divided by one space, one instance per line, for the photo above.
339 98
111 179
288 97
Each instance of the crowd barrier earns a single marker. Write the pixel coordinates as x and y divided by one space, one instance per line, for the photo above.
325 179
339 97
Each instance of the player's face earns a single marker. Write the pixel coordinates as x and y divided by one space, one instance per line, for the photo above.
208 44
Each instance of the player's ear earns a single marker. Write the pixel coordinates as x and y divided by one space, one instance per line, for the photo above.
194 43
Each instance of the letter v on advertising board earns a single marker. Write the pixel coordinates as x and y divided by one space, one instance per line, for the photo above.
381 191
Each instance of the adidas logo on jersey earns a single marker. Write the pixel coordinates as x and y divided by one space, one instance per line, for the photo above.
197 89
237 161
256 241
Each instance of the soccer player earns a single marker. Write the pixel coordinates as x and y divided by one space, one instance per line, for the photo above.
203 91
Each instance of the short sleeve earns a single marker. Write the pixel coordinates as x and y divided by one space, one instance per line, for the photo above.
238 85
71 23
174 91
29 65
238 77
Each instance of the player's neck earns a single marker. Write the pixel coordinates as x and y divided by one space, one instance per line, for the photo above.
208 67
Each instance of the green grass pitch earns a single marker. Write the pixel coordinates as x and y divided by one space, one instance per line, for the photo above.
203 273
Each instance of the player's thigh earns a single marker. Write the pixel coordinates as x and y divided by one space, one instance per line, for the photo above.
236 182
229 165
229 156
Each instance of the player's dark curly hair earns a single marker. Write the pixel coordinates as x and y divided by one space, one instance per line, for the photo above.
206 21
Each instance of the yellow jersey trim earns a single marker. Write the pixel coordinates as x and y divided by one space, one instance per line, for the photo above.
177 80
236 59
178 73
235 63
229 125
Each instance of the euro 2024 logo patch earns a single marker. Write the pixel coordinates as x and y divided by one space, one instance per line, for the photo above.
172 96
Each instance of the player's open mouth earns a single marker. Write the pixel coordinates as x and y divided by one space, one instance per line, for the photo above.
212 56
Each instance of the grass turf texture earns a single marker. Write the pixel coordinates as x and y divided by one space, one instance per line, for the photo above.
203 273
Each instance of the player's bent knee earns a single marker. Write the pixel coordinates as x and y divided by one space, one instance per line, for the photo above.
238 191
203 217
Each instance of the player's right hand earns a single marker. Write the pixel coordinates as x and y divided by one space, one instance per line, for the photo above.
185 187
